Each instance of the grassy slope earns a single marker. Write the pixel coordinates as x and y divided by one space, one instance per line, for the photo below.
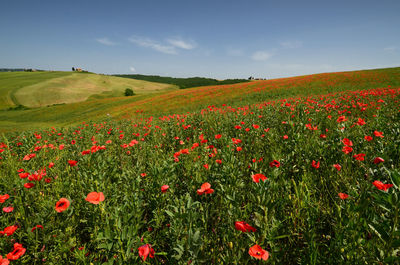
37 89
179 101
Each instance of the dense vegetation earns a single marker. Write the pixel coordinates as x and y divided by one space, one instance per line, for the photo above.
184 82
292 180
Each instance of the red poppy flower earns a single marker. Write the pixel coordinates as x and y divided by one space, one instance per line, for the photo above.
143 174
219 161
337 166
8 231
257 252
275 163
23 175
381 186
239 148
378 160
72 163
347 149
347 142
51 164
4 197
341 119
360 122
244 227
145 251
8 209
29 185
218 136
62 205
255 126
285 137
368 138
205 188
17 252
36 227
236 141
378 134
4 261
95 197
257 177
359 157
164 188
315 164
343 196
206 166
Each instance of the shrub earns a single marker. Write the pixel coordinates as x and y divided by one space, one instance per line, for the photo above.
129 92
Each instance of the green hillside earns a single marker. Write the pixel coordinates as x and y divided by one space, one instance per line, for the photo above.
169 101
40 89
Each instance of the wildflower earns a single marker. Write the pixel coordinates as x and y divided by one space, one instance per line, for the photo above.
257 177
95 197
17 252
8 210
145 251
36 227
257 252
347 149
4 197
4 261
378 160
359 157
218 136
337 166
244 227
368 138
205 188
164 188
8 231
29 185
315 164
380 186
343 196
347 142
72 163
275 163
62 205
378 134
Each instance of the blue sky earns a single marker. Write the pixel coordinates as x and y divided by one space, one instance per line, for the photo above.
219 39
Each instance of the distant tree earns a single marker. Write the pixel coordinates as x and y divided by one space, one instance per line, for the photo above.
129 92
73 69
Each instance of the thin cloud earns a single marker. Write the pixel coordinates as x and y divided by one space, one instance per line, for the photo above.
149 43
261 56
292 44
390 49
182 44
132 69
106 41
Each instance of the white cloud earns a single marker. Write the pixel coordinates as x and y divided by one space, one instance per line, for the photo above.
390 49
261 56
106 41
148 43
292 44
132 69
180 43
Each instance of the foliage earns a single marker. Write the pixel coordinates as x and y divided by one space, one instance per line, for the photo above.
128 92
183 83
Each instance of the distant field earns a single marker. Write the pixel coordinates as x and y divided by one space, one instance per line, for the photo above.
164 102
40 89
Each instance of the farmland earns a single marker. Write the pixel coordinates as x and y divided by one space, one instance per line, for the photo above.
301 170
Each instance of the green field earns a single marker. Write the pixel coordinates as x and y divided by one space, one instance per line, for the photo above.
41 89
159 99
302 170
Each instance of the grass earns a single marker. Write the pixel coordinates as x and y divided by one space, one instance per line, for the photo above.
175 101
326 151
41 89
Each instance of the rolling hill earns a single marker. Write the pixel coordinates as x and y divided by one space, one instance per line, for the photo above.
163 100
40 89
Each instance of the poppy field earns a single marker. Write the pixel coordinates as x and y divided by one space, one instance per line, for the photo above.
305 178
